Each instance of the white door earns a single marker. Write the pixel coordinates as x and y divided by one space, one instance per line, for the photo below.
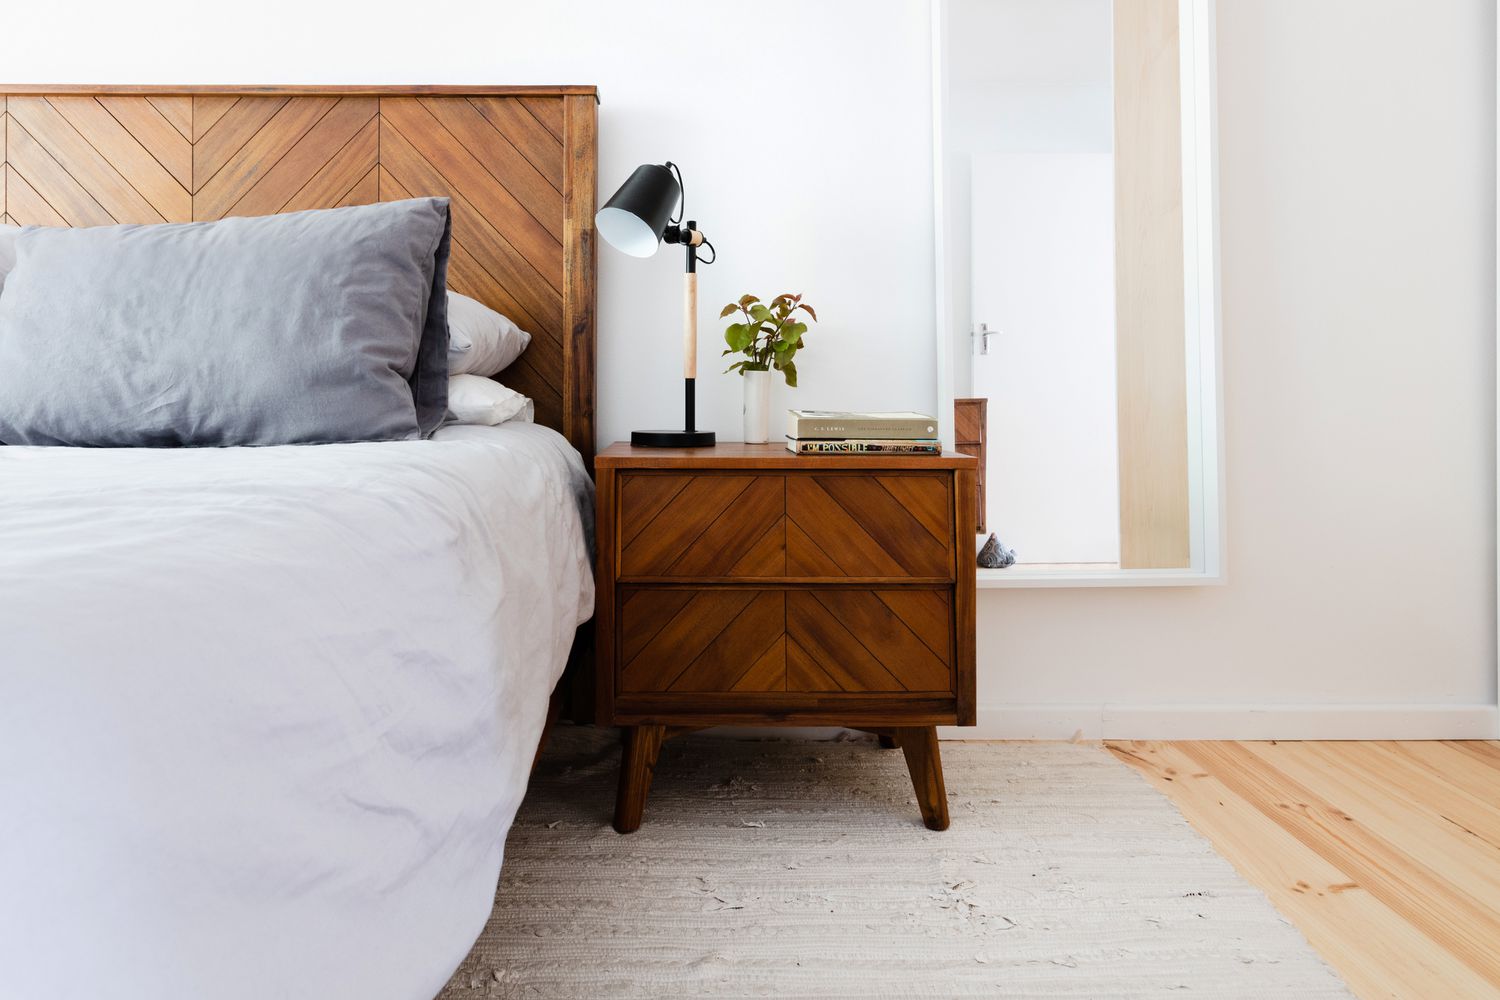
1043 277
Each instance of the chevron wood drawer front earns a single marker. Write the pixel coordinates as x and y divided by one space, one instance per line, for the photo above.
860 641
703 640
745 585
896 526
882 525
831 641
702 526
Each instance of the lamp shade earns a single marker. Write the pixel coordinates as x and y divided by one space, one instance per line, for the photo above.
632 221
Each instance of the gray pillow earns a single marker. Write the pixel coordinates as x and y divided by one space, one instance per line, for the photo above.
316 326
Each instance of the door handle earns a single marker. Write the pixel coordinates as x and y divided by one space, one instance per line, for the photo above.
983 333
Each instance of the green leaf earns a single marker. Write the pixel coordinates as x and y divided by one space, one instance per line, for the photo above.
738 336
809 311
736 365
782 346
727 310
760 313
793 334
790 371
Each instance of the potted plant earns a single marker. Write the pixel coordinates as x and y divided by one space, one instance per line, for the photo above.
769 337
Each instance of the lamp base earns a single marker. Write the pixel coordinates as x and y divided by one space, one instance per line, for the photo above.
672 439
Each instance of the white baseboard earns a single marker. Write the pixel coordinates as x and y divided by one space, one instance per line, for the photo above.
1231 722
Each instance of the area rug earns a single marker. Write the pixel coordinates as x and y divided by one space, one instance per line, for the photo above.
802 869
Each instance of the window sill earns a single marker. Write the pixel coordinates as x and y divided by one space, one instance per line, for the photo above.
1044 576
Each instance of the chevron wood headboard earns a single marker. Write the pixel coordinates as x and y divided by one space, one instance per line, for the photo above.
518 163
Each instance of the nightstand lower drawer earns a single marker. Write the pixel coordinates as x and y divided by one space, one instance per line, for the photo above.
818 641
869 640
702 640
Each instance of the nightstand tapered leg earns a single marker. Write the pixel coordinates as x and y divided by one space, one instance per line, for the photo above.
920 745
637 764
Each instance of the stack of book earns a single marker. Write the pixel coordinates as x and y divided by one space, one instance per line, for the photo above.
824 432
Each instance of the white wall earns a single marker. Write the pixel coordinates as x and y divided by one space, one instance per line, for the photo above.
803 131
1357 161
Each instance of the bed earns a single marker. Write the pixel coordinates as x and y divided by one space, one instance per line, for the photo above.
266 713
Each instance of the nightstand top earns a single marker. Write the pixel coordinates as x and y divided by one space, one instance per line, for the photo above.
773 455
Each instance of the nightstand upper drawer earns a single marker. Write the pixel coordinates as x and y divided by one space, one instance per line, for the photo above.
797 525
686 525
886 526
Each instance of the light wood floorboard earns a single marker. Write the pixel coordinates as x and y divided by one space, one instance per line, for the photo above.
1385 855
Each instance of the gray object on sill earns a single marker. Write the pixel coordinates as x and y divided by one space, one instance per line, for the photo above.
994 554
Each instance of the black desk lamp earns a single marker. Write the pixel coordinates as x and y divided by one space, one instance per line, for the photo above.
637 220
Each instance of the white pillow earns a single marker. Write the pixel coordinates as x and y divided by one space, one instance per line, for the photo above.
8 236
474 399
480 340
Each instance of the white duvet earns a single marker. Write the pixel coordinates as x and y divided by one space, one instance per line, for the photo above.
266 714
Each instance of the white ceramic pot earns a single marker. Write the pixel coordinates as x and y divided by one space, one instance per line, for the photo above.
757 386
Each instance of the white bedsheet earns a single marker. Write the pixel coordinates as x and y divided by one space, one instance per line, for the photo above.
266 714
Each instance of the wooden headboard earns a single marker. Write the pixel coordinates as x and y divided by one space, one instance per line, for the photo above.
518 163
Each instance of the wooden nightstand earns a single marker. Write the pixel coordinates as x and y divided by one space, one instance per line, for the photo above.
745 585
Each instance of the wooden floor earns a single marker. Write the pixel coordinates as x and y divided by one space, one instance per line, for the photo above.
1385 855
